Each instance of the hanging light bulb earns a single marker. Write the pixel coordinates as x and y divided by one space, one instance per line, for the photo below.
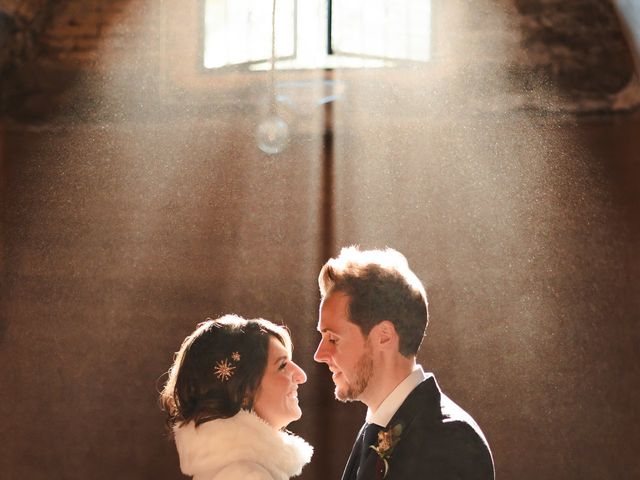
272 135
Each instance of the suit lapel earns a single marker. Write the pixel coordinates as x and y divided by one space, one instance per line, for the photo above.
424 399
350 471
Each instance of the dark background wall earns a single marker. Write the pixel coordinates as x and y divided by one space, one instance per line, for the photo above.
135 203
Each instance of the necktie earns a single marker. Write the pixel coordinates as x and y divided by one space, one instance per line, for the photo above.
370 437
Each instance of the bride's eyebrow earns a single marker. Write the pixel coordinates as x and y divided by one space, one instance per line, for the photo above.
280 359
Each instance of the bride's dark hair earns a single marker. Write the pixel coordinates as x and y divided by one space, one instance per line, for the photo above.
198 390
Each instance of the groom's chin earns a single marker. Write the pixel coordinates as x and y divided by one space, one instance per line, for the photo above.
342 395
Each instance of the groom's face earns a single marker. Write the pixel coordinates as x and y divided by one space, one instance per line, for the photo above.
343 348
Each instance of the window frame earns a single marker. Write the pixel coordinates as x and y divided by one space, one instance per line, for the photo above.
330 51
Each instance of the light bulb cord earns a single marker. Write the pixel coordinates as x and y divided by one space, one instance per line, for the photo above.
272 72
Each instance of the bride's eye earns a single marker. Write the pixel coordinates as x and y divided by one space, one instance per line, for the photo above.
282 366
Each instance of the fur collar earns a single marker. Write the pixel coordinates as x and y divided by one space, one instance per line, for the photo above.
244 437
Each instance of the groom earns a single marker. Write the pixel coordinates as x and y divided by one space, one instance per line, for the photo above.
373 317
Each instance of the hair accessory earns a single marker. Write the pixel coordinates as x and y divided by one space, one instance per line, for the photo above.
225 369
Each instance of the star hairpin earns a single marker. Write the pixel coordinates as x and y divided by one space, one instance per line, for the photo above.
224 370
235 356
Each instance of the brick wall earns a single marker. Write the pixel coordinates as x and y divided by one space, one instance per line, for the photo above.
120 230
575 46
21 24
48 44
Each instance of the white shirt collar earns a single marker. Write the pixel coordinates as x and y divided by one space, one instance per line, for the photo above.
390 405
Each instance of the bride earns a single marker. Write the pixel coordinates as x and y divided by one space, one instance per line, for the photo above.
231 391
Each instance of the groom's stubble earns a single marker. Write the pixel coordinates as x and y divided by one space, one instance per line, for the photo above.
364 371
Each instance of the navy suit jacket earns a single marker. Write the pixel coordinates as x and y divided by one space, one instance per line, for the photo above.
439 441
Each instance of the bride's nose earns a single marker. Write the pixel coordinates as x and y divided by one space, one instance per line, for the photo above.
298 374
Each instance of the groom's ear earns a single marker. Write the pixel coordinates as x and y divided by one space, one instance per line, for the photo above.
385 335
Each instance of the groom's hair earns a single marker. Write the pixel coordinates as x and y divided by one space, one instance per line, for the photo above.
198 390
380 286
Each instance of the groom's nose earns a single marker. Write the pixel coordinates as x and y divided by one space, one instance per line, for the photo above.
320 356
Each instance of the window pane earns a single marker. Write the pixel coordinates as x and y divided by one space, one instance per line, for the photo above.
239 31
395 29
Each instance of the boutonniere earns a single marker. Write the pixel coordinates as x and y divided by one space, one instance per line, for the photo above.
387 440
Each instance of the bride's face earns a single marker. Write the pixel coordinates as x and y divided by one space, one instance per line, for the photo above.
276 400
